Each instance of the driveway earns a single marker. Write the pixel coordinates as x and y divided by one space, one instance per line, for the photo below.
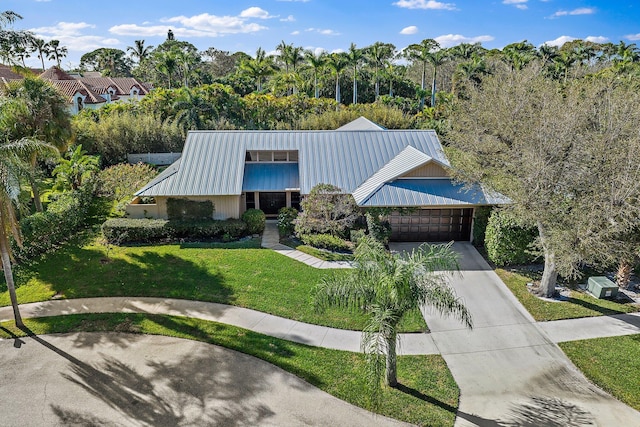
111 379
508 370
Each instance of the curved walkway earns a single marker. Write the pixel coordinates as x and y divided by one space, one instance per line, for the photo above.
111 379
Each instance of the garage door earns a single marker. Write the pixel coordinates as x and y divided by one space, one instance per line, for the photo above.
432 225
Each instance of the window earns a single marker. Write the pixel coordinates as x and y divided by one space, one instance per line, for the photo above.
271 156
280 156
295 200
251 200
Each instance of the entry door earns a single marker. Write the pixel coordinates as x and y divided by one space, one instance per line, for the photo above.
270 203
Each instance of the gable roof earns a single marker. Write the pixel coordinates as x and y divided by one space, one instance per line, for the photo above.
8 74
361 123
55 73
213 162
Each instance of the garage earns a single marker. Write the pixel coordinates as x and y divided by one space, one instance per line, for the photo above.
432 225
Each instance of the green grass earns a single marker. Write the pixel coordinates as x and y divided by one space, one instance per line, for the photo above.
611 363
579 304
428 395
315 252
254 278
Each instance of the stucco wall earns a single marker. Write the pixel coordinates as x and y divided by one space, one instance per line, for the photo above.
225 207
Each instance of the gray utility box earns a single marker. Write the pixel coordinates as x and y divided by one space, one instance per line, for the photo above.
601 287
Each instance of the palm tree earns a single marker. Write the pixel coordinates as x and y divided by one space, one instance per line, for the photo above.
167 64
40 46
436 59
354 58
378 54
139 50
192 110
12 168
337 62
291 56
421 52
316 62
56 51
386 287
79 166
258 68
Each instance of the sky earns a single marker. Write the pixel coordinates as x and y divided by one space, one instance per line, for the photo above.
332 25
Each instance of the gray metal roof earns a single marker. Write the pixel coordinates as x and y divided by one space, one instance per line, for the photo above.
361 123
430 192
213 162
270 176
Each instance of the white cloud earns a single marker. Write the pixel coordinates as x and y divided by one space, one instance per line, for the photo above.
337 51
70 36
597 39
63 29
632 37
520 4
324 32
560 41
295 33
289 18
203 25
255 12
425 4
409 30
579 11
449 40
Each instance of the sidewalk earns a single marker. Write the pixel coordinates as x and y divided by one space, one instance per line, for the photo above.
267 324
271 240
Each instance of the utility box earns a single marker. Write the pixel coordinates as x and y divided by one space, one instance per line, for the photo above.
602 287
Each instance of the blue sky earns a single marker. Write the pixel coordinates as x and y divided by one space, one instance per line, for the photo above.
331 25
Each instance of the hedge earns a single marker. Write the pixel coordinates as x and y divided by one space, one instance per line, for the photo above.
326 241
126 230
255 220
286 218
507 242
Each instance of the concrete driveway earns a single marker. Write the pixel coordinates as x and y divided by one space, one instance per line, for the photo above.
111 379
508 370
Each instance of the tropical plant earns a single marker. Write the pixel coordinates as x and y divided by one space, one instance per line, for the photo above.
327 210
337 62
258 68
139 50
354 58
421 52
316 62
386 287
40 46
71 172
379 54
56 51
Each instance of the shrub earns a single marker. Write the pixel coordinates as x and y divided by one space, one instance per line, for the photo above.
45 231
189 210
327 210
326 241
378 228
480 221
507 241
120 182
355 236
286 218
126 230
255 220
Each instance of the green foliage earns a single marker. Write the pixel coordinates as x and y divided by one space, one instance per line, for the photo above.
126 230
71 172
480 221
387 116
45 231
356 235
286 218
185 209
121 181
255 220
327 210
326 241
379 228
507 241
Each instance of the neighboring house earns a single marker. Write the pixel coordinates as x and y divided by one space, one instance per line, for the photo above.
268 170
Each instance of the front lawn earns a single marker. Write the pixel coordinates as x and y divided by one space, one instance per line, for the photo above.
579 304
611 363
254 278
427 395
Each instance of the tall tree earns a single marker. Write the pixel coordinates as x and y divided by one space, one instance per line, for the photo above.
354 59
337 62
386 287
421 52
258 68
316 62
139 50
436 58
56 51
378 54
111 62
42 47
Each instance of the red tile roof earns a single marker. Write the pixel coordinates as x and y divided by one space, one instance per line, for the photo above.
55 73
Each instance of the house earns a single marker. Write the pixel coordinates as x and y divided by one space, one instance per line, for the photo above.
239 170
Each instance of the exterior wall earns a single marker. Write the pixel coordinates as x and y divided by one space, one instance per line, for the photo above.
430 170
225 207
154 158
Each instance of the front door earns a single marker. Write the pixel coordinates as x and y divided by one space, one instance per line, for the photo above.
270 203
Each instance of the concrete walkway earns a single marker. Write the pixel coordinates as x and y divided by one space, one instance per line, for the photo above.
271 240
509 370
112 379
279 327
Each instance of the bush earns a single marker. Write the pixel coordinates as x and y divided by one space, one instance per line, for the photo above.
507 242
379 229
326 241
125 230
355 236
286 218
255 220
45 231
189 210
480 221
120 182
327 210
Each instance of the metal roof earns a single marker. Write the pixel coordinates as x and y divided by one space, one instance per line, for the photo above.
213 162
270 176
431 192
361 123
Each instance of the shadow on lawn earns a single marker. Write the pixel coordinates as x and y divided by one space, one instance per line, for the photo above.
78 272
203 385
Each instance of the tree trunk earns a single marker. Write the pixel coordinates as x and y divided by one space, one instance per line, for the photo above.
36 194
550 274
623 277
8 276
433 89
391 374
355 90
